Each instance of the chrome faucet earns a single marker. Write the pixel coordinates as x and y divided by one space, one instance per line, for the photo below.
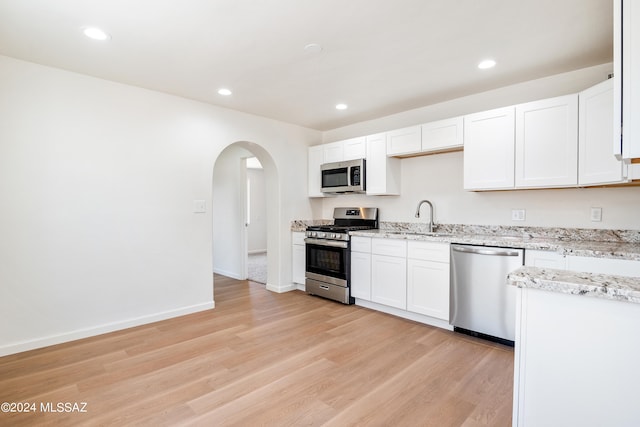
430 213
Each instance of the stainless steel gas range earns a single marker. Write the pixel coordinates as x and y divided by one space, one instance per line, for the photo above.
328 253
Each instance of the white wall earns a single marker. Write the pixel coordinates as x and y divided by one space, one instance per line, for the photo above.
97 182
257 230
439 178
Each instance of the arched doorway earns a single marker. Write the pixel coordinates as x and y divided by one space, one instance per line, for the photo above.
229 212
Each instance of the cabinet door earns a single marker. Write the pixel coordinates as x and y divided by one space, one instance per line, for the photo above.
333 152
383 173
355 148
626 60
404 141
298 264
428 288
315 160
596 164
443 135
389 281
547 143
361 275
489 150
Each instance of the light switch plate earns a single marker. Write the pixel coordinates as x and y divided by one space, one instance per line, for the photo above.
596 214
199 206
517 214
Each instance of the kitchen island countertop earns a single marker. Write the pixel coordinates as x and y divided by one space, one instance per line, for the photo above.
613 287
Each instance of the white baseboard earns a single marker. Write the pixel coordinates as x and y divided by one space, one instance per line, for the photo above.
282 289
231 274
421 318
102 329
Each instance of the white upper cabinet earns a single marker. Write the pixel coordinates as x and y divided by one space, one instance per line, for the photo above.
489 150
333 152
443 135
383 173
626 60
404 141
596 163
314 179
354 148
547 143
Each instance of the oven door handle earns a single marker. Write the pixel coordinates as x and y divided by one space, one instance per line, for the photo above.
331 243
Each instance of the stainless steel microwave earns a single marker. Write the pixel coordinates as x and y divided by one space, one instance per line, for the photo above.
344 177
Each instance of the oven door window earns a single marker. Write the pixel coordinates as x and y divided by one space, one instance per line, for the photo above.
327 261
335 178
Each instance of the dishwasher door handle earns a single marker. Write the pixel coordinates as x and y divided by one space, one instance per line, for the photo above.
485 251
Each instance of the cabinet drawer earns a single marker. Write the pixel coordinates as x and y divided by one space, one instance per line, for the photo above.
428 251
361 244
390 247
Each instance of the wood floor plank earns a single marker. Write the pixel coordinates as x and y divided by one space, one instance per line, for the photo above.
261 358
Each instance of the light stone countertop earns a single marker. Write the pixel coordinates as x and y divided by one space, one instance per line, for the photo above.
617 250
615 244
618 288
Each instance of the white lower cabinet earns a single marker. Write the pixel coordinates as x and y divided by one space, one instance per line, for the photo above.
409 279
428 279
389 272
574 361
361 268
389 280
298 257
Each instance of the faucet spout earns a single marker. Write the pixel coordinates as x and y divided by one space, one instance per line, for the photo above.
430 213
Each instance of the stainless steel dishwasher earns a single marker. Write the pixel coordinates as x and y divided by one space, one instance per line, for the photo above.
481 303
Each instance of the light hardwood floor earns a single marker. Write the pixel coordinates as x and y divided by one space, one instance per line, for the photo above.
261 358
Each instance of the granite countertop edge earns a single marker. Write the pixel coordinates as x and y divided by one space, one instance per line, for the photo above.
611 287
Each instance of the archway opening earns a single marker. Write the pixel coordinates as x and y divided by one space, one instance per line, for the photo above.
230 211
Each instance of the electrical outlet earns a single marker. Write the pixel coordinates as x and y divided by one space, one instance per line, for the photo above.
517 214
199 206
596 214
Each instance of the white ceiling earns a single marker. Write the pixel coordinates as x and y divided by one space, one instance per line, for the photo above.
379 56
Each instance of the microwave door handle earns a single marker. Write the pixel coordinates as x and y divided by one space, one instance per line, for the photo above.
349 183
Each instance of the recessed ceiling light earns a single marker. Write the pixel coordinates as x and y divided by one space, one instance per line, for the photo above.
95 33
486 64
341 107
224 92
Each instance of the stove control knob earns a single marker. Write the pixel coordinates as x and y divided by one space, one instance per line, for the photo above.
321 235
334 235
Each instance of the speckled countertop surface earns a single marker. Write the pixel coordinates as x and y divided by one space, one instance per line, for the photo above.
615 244
619 244
563 246
618 288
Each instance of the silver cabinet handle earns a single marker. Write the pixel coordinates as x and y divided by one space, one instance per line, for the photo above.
326 288
485 251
